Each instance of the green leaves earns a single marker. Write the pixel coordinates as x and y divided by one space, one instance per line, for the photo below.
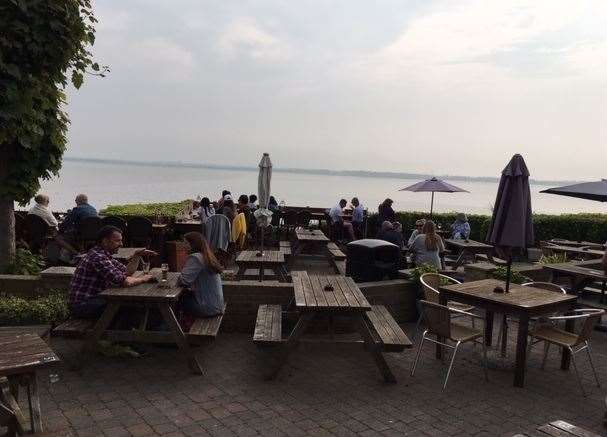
77 79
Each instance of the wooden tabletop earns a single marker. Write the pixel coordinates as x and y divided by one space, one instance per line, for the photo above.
269 257
327 293
519 297
125 253
578 270
22 353
579 250
562 242
150 291
302 234
467 244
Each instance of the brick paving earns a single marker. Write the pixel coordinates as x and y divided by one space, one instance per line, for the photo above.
324 390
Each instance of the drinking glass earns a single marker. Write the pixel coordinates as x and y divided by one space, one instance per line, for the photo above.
164 268
145 265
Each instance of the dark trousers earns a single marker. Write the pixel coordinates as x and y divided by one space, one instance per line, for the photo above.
90 309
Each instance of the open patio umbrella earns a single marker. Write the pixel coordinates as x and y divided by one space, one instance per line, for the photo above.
512 225
586 190
263 215
433 185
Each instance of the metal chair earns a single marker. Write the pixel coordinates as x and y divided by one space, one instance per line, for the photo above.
430 283
37 232
551 334
139 231
88 228
115 221
438 318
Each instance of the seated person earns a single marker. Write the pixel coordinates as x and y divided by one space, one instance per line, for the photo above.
206 210
42 210
427 247
460 228
219 203
201 275
419 225
336 215
72 219
97 271
253 202
358 217
392 233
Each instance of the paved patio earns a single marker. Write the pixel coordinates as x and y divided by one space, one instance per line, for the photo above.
325 390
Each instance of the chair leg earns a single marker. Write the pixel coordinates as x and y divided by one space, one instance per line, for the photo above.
485 360
451 364
577 374
473 327
596 377
419 350
546 348
419 322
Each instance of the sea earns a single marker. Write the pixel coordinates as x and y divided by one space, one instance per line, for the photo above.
112 183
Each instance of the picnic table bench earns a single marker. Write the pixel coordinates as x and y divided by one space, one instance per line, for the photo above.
337 259
306 239
144 296
21 355
254 259
331 295
558 428
468 248
582 251
570 243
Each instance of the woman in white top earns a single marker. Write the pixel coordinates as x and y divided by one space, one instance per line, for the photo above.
42 210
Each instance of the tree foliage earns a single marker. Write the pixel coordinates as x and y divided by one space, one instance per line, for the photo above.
43 45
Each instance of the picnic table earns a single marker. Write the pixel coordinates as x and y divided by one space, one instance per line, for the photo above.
584 252
327 296
558 428
254 259
570 243
21 355
581 274
124 254
185 226
309 238
521 303
144 296
468 247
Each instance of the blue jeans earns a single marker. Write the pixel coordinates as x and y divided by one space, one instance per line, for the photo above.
90 309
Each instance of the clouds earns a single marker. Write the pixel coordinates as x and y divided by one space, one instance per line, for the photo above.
243 37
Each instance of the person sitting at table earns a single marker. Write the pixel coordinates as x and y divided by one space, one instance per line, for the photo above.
385 212
427 246
419 225
42 210
392 233
460 228
219 202
97 271
201 275
253 202
337 220
206 210
73 218
358 217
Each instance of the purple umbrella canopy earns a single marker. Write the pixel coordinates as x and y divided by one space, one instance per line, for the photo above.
586 190
512 224
433 185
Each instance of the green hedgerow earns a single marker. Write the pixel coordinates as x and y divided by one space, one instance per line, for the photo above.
49 309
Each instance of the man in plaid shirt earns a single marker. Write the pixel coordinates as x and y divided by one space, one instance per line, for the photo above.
97 271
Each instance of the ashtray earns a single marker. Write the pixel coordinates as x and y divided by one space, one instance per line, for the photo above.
259 254
328 288
498 289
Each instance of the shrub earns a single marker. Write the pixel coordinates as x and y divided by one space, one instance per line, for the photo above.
49 309
25 263
417 273
554 258
167 209
515 277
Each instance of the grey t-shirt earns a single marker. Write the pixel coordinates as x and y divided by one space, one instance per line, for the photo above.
421 255
205 284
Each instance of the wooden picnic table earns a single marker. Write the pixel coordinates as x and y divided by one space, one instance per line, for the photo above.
468 247
151 295
558 428
309 238
580 274
570 243
21 355
124 254
521 302
185 226
336 295
584 252
253 259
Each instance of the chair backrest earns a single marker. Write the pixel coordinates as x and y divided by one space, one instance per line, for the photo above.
591 316
290 218
437 318
303 218
89 228
546 286
112 220
139 228
431 282
20 227
36 229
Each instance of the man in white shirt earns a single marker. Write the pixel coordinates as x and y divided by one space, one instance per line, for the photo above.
358 217
336 215
42 210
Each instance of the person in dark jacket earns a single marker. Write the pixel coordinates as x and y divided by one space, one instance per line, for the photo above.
74 217
385 212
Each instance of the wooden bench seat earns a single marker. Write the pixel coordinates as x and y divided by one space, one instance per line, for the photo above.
73 328
558 428
389 335
335 252
205 329
339 266
41 331
268 327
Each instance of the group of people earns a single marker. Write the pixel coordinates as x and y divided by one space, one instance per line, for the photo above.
354 227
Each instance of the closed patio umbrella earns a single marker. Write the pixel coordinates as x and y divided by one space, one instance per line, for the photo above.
433 185
586 190
512 224
263 215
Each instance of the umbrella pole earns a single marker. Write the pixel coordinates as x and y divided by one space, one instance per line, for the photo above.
261 271
508 268
431 204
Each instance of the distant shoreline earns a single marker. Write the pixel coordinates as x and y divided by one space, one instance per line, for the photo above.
356 173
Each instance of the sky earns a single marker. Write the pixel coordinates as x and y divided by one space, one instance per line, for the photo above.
429 86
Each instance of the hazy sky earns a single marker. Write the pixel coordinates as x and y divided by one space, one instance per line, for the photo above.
444 87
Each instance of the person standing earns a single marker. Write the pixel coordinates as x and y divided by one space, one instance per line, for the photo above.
427 247
206 210
358 217
385 212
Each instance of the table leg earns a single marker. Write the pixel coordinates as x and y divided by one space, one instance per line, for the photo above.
7 395
521 351
241 271
380 361
460 259
291 343
261 271
566 355
34 403
488 327
102 324
169 317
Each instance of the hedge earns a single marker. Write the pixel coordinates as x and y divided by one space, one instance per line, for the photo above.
166 209
576 227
